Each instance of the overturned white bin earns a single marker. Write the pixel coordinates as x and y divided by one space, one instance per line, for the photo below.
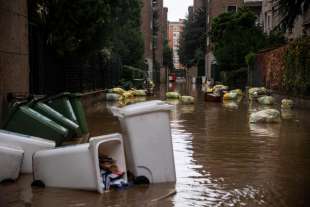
29 144
11 158
77 166
148 141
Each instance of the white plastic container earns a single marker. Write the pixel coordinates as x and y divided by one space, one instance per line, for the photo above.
11 158
29 144
148 141
77 166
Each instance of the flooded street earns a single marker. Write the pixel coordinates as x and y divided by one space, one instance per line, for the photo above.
221 160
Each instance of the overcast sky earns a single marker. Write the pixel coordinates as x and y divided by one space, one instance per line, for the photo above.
177 8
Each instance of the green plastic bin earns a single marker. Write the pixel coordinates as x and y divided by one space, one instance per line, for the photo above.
78 109
25 120
61 104
74 128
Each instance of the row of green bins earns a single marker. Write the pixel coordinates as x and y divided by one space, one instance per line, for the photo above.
71 107
42 108
25 120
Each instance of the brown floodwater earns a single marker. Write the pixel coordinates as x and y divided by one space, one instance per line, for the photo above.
221 160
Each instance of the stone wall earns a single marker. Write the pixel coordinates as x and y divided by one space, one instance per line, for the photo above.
14 67
271 65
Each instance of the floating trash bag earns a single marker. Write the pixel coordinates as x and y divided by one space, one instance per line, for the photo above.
266 100
187 99
237 91
175 95
287 104
230 96
265 116
113 97
118 91
139 92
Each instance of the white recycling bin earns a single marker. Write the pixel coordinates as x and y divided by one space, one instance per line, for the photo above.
29 144
11 158
148 141
77 166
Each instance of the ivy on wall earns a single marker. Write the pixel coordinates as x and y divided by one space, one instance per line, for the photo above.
296 76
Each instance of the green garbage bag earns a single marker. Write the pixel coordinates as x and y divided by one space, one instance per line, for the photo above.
172 95
266 100
265 116
187 99
287 104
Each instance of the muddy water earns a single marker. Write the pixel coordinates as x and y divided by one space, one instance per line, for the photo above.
221 160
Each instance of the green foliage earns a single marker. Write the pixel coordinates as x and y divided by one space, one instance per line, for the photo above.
167 56
250 58
296 79
234 35
81 29
193 39
75 27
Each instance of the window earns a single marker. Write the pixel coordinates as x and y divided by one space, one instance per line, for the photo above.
231 9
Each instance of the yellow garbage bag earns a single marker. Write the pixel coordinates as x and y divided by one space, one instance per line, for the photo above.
118 91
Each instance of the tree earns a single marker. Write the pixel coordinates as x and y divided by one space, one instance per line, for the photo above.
234 35
75 27
290 10
193 39
167 56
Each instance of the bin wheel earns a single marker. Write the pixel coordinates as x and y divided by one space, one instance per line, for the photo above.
8 180
141 180
38 183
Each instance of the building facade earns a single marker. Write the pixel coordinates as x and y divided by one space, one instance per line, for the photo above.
14 52
174 35
272 18
214 9
147 31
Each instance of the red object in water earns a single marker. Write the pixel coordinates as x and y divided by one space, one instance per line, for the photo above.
172 77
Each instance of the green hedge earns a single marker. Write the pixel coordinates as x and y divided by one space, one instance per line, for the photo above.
296 77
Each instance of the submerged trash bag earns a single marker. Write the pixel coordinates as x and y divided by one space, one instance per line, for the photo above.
187 99
230 104
11 158
118 91
287 114
113 97
287 104
175 95
265 116
139 92
237 91
221 87
255 92
266 100
230 96
209 90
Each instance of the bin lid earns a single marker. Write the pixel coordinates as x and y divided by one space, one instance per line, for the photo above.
141 108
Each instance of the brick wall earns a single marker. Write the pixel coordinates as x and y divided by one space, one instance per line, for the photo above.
14 66
146 19
271 66
160 34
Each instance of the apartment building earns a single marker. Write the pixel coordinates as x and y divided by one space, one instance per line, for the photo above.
174 35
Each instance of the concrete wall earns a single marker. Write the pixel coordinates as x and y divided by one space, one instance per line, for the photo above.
14 66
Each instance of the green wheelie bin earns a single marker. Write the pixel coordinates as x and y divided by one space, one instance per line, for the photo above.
61 104
75 100
27 121
42 108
